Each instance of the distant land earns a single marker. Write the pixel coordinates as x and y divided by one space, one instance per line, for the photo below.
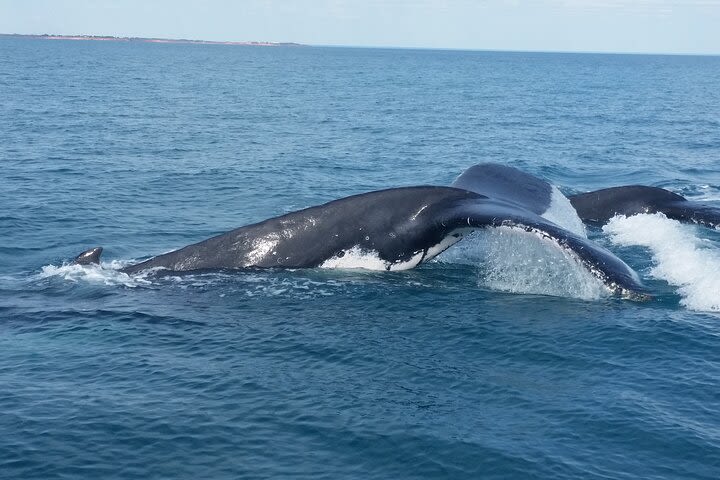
108 38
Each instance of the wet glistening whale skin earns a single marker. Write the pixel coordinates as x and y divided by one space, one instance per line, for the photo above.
400 228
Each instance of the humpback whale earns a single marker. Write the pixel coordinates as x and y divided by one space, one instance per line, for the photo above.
400 228
601 205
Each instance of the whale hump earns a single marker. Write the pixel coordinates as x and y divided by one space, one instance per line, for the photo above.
89 257
526 191
507 183
601 205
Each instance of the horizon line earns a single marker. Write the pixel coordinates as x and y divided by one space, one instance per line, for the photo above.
117 38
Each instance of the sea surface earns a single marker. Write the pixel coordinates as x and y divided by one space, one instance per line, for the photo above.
498 360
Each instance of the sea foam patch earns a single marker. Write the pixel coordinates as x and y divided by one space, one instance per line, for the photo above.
681 257
107 273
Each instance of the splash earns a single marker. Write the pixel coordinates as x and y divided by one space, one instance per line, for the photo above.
513 260
107 273
681 258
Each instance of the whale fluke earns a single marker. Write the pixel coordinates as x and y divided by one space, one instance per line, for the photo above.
601 205
89 257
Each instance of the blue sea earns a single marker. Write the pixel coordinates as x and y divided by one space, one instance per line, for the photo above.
480 364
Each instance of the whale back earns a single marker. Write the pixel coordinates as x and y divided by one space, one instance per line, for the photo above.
89 257
524 190
395 224
601 205
508 184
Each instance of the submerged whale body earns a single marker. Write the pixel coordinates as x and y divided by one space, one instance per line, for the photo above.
400 228
600 206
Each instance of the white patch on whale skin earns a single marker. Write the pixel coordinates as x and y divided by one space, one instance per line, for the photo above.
562 213
357 257
261 248
446 243
414 217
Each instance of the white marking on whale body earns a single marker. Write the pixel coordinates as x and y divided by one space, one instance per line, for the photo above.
262 247
414 217
446 243
562 213
357 257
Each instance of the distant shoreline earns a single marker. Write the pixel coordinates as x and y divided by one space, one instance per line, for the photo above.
109 38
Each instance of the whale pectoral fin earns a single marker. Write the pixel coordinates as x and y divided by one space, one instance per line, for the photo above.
617 276
89 257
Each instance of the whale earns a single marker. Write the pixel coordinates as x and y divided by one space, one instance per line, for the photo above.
599 206
401 228
531 193
593 208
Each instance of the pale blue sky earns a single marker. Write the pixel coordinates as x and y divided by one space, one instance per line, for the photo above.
658 26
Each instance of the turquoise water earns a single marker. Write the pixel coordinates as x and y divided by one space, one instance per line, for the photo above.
463 368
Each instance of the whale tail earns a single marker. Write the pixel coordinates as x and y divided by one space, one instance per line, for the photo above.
89 257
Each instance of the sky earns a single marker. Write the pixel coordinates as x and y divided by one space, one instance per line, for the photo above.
622 26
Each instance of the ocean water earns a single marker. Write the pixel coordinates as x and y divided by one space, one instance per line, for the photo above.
499 360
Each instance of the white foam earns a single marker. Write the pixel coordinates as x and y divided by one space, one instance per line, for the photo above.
681 257
562 213
356 258
107 273
513 260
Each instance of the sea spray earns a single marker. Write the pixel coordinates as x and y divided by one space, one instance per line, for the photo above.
681 257
107 273
513 260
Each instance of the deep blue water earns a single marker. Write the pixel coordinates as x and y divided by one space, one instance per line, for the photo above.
427 373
